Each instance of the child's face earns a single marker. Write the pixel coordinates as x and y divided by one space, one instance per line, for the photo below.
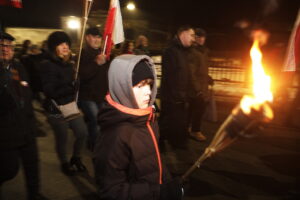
142 93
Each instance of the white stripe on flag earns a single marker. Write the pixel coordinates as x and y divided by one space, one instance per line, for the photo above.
290 59
118 32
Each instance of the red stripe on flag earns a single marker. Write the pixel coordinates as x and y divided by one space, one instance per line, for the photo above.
14 3
109 26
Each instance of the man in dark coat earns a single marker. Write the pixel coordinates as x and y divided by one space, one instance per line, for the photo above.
17 125
128 164
93 82
198 84
174 88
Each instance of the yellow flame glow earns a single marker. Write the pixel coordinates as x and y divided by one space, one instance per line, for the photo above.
261 84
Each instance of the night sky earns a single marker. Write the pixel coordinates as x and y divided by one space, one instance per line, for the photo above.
221 14
216 16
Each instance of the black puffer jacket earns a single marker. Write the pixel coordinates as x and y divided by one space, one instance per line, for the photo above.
93 77
16 112
126 160
58 82
174 83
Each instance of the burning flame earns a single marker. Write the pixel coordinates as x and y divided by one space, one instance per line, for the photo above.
261 86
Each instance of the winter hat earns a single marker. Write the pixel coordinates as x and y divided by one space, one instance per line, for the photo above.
141 72
200 32
56 38
93 31
6 36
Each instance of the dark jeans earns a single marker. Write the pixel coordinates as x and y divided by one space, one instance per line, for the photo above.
60 127
10 163
173 123
197 107
91 110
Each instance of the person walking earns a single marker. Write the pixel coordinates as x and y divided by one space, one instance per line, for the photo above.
141 46
17 124
93 82
59 86
174 88
198 84
127 159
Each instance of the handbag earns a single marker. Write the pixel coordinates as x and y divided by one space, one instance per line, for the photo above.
69 111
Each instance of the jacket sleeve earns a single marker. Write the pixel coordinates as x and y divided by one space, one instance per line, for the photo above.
50 82
88 66
7 101
168 73
113 169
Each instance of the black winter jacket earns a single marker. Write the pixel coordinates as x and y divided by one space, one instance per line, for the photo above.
16 112
126 163
174 83
198 72
93 78
58 82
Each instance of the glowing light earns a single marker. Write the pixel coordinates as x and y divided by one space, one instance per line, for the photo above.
73 24
130 6
261 85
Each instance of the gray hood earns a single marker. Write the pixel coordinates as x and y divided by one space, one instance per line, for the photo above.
120 79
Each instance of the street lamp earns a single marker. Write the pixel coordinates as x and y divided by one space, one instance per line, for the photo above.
73 23
130 6
72 26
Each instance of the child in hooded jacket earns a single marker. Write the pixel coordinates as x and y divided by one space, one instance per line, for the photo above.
127 158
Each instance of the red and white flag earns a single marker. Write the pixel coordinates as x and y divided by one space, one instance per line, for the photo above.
14 3
292 58
113 32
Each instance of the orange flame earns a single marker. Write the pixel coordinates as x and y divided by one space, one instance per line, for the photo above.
261 86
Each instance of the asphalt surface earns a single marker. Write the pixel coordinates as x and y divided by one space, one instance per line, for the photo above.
265 167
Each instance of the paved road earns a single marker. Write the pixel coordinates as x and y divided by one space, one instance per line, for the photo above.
266 167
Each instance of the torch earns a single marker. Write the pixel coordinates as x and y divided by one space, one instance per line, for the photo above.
246 118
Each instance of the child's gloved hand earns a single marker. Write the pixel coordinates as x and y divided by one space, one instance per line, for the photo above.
172 190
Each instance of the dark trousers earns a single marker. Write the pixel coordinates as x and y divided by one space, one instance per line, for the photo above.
197 107
10 163
173 123
91 110
60 127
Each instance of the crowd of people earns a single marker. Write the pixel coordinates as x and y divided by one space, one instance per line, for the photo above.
108 104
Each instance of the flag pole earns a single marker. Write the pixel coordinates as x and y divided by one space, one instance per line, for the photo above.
105 43
87 9
86 12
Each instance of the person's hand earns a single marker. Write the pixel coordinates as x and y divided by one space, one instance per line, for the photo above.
100 59
172 190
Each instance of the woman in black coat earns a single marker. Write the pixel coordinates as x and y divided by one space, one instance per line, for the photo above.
57 73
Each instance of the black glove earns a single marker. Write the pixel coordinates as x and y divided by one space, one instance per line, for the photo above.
172 190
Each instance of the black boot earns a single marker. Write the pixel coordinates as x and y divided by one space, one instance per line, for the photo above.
76 161
67 169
